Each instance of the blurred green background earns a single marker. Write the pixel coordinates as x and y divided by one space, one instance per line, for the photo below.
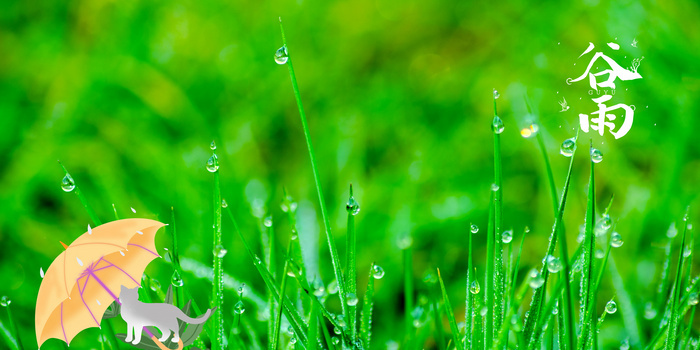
129 94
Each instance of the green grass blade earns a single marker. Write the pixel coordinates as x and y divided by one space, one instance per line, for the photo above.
674 319
629 316
469 310
217 298
312 336
681 309
176 280
548 169
587 292
496 312
293 316
408 295
335 259
450 315
351 265
367 306
489 278
283 288
665 281
83 200
11 335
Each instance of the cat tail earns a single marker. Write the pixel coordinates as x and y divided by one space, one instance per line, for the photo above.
199 320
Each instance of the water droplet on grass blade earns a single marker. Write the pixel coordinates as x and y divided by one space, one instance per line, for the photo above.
611 307
212 164
176 279
333 287
268 221
282 55
5 301
319 289
484 310
496 94
568 147
377 272
596 155
220 251
536 280
687 251
553 264
335 341
352 206
494 187
239 308
224 204
649 311
67 184
474 287
599 253
693 298
616 240
351 299
155 285
507 236
497 125
212 146
473 228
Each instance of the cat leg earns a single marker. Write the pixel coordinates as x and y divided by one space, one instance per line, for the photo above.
137 334
176 335
166 335
129 333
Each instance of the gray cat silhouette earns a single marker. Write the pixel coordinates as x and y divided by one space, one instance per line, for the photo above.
162 316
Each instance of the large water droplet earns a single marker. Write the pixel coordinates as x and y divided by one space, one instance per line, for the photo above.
496 94
212 146
5 301
507 236
333 287
268 221
335 340
351 299
497 125
495 187
239 308
536 279
473 228
611 307
352 206
599 253
553 264
212 164
220 251
616 240
67 184
281 55
568 147
687 251
155 285
596 155
693 298
176 279
377 272
474 287
319 289
224 204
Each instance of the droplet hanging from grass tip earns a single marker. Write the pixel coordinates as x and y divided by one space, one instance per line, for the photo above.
224 204
239 308
536 279
596 155
377 272
176 279
497 125
268 221
352 206
568 147
5 301
507 236
212 146
282 55
496 94
67 183
616 240
611 307
212 164
474 287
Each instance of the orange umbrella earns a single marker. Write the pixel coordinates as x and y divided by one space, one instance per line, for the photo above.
86 278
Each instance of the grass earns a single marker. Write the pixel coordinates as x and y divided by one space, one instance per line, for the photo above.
318 320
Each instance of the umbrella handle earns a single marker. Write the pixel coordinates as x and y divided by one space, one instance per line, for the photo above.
163 347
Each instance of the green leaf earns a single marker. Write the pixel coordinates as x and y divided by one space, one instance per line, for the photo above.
450 315
367 306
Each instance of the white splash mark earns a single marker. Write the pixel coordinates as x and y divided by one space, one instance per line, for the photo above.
634 42
589 49
121 252
614 46
133 210
89 229
41 272
98 302
80 262
139 232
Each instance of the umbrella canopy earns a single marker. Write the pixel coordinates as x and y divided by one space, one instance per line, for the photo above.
86 278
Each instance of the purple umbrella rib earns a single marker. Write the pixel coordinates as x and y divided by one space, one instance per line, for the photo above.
118 268
83 299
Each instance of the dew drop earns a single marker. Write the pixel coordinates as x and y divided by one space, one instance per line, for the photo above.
268 221
496 94
5 301
616 240
241 288
176 279
568 147
335 341
224 204
536 280
239 308
687 251
220 251
611 307
553 264
649 311
473 228
352 206
351 299
596 155
212 146
258 260
693 298
212 164
599 253
282 55
67 184
80 262
155 285
319 289
474 287
507 236
333 287
377 272
494 187
497 125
